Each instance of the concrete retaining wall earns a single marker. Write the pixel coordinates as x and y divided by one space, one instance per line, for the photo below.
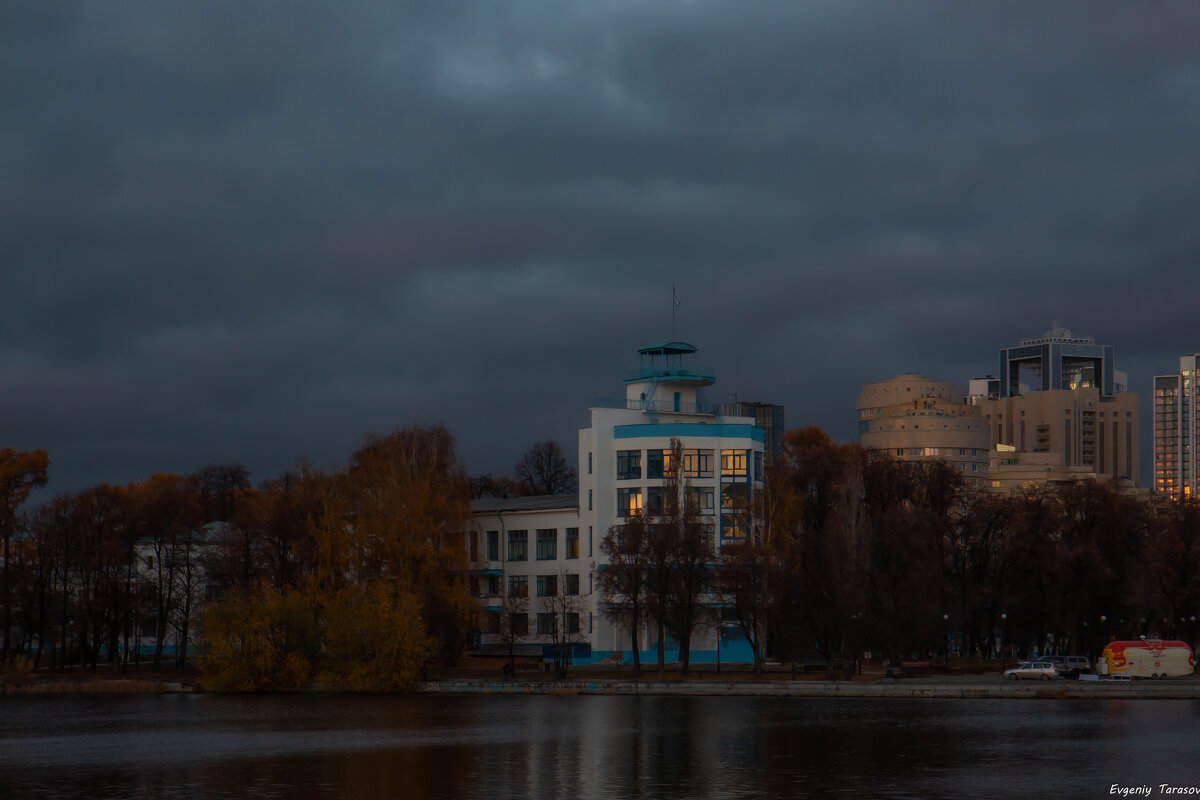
983 688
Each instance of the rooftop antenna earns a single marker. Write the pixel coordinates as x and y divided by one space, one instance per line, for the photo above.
674 305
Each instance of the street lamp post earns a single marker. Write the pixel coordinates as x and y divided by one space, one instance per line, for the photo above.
1004 644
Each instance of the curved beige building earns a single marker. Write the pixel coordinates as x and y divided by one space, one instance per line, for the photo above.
913 418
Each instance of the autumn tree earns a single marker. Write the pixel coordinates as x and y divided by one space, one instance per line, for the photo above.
483 487
562 608
512 623
1101 541
545 470
622 579
691 557
745 574
374 639
814 527
1030 588
410 506
161 514
218 490
978 569
258 639
678 555
1169 573
20 473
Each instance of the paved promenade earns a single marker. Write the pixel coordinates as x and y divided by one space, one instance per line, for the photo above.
990 686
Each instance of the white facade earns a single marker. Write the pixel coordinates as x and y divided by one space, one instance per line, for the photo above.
620 473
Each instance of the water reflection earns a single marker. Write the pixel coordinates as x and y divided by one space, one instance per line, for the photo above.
588 747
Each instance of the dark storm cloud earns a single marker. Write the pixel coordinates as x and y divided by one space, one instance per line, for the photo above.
255 231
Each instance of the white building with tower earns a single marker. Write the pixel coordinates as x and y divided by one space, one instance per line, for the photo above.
518 543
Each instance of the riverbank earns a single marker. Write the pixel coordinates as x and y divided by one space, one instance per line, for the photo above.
981 687
987 686
65 685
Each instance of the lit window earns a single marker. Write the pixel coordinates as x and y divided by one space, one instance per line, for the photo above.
698 463
658 463
733 463
629 502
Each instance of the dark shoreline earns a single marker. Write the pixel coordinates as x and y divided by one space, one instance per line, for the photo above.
984 687
928 687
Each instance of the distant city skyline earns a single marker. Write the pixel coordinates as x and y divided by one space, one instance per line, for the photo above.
255 233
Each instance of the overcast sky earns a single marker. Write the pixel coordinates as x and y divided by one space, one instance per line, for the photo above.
254 232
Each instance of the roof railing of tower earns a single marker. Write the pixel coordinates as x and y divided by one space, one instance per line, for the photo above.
667 349
661 406
1059 335
657 372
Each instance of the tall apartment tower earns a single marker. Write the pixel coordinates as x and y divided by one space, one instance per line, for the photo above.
1175 429
768 416
1078 408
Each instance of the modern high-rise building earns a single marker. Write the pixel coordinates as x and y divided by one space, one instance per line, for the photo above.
1078 408
767 416
1058 360
913 418
530 556
1175 430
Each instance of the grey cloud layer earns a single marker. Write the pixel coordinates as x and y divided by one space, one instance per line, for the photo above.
255 231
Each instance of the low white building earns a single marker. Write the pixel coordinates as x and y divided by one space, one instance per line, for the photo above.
543 545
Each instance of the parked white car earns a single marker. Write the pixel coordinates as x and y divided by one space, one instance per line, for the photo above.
1042 670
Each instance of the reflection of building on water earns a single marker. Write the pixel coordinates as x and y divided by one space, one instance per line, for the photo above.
532 550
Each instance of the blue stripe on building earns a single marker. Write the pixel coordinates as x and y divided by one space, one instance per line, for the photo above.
694 430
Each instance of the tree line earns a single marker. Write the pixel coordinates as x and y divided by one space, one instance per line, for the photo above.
851 551
356 575
351 575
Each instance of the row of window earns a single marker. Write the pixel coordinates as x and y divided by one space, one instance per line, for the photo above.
547 585
697 463
519 623
732 528
545 544
734 496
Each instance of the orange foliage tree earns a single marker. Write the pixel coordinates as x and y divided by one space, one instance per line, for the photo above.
20 472
410 504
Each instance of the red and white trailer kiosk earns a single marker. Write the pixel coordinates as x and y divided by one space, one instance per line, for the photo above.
1147 658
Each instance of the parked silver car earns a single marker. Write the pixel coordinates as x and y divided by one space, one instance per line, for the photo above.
1041 670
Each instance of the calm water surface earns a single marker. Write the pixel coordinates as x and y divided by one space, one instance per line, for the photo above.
493 748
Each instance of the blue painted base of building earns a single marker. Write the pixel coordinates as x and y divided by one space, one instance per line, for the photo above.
733 652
